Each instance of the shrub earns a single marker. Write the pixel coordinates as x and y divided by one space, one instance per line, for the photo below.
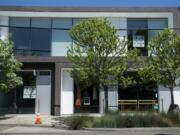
79 122
123 120
120 120
174 117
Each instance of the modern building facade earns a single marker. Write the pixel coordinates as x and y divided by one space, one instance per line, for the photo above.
41 37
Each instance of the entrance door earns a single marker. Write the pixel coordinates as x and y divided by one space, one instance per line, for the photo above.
43 95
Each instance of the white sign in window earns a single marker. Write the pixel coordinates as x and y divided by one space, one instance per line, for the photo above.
138 41
29 92
86 100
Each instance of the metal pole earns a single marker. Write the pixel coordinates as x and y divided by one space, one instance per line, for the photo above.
38 105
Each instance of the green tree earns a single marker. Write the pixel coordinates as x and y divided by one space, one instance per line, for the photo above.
8 66
100 58
163 64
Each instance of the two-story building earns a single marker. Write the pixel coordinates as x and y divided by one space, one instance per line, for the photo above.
41 37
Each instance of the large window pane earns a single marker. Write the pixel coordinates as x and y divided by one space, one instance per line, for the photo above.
20 37
137 23
40 41
19 21
41 22
138 34
115 22
78 20
64 23
40 38
155 26
60 42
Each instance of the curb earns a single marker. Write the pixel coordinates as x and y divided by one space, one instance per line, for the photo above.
129 129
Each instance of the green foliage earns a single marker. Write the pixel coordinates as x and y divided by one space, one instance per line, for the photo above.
163 64
98 54
132 119
174 117
79 122
8 66
165 57
125 119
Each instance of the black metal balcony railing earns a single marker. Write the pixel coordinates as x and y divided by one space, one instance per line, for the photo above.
31 41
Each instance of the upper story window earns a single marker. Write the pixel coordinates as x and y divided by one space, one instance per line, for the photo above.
20 33
50 36
61 39
31 36
141 31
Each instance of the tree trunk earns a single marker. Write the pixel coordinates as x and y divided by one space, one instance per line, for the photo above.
138 89
106 97
172 96
172 105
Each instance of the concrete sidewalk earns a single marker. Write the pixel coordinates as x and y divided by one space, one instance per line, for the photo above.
27 120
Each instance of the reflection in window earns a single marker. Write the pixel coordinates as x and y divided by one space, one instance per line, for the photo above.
31 40
21 47
40 42
61 40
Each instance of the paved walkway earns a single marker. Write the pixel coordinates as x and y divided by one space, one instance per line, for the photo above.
29 119
26 120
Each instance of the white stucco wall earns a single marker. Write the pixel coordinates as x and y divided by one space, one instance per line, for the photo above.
67 93
113 98
165 98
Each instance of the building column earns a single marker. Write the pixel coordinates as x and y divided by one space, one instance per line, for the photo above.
57 89
101 101
113 98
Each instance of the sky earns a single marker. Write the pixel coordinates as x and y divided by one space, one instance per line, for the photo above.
94 3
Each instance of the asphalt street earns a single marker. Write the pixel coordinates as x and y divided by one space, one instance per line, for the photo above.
20 130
